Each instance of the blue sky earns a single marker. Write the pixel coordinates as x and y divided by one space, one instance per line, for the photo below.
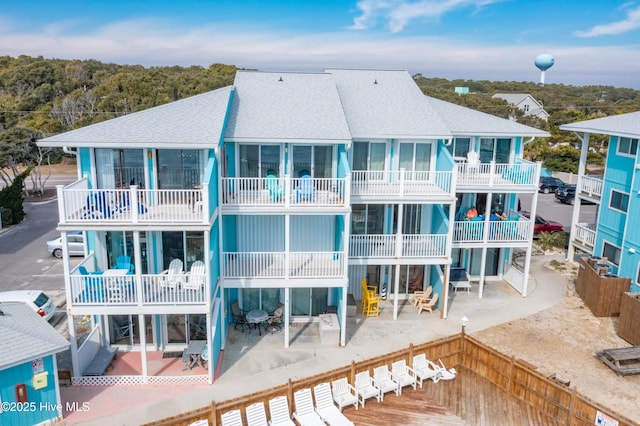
592 41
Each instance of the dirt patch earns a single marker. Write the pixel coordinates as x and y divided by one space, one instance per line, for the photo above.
562 340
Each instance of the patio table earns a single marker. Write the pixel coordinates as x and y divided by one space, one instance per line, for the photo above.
257 317
192 354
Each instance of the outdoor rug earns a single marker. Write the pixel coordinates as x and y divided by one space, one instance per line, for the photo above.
172 354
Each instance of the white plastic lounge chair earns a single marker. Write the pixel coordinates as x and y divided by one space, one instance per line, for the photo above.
256 416
446 374
196 277
473 163
325 407
231 418
203 422
382 378
424 370
279 412
305 414
403 374
344 394
365 387
172 276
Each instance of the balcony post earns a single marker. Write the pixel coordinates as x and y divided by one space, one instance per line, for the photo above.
61 204
133 197
287 190
204 196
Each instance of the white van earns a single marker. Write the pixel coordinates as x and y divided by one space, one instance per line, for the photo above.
40 302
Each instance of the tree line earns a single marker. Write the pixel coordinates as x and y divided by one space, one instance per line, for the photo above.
41 97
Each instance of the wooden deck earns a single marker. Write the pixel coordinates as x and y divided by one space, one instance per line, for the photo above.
466 400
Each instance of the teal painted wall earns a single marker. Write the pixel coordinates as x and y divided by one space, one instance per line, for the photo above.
612 223
41 403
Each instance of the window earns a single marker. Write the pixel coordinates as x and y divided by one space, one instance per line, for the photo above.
612 253
257 160
619 201
638 276
628 146
179 169
461 146
497 150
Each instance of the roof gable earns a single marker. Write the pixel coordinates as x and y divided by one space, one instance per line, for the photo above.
24 335
273 106
622 125
469 122
194 122
386 104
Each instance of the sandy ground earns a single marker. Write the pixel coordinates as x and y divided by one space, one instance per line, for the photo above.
563 340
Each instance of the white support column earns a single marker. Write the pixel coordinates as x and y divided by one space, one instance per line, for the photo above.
582 166
143 345
444 312
527 258
287 314
343 316
483 262
287 248
345 289
137 262
396 290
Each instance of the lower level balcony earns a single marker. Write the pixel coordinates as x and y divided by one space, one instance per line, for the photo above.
302 265
584 235
503 231
115 287
398 246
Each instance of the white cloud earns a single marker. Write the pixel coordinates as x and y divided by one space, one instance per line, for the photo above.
157 43
632 22
398 13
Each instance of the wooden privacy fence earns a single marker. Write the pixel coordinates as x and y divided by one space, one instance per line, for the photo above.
518 378
599 290
628 327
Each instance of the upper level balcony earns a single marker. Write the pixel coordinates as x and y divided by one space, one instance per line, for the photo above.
590 187
504 232
396 185
416 248
77 204
521 175
306 193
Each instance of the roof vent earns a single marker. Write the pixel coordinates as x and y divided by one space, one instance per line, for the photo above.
281 79
375 81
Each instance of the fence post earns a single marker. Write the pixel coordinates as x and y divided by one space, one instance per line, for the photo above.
213 416
410 360
572 404
290 395
463 338
511 368
352 377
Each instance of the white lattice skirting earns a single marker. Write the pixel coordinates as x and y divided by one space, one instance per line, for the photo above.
138 380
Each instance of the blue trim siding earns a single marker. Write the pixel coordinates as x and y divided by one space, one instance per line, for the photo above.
44 403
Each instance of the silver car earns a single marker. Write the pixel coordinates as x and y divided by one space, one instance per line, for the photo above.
75 246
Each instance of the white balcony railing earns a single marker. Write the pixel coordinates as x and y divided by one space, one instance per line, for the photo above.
469 231
590 186
394 246
127 290
285 191
79 204
279 265
584 234
522 173
401 183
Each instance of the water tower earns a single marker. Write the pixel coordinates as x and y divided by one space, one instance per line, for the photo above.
543 61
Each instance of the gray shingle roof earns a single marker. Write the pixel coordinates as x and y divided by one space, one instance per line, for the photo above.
463 121
273 106
194 122
621 125
386 104
512 98
24 335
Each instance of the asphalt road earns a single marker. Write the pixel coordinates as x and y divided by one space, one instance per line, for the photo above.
24 261
551 209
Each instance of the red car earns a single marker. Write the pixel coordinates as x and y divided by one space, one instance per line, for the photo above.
543 225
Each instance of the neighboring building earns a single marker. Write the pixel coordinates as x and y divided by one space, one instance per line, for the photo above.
460 90
291 188
29 389
614 232
526 103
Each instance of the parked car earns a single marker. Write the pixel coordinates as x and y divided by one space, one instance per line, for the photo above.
567 194
76 245
549 184
543 225
36 299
